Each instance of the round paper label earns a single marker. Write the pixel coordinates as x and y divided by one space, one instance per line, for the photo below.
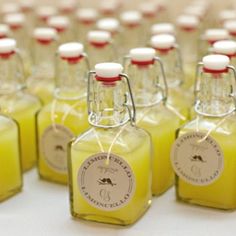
105 186
54 143
195 161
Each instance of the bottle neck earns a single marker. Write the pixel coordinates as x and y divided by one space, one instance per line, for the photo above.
214 95
144 82
43 59
71 79
107 107
11 76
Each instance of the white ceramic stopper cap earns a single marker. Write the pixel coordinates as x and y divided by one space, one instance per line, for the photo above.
108 6
227 47
27 4
15 19
163 28
108 24
227 15
72 49
7 45
59 22
187 21
142 54
215 62
108 69
4 30
163 41
197 11
99 36
45 33
148 8
10 7
230 26
87 14
67 5
46 11
216 34
131 17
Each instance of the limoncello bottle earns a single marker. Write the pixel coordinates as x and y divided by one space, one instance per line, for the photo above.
10 163
63 27
178 97
100 47
41 82
66 116
85 22
15 102
203 156
152 113
188 28
110 164
131 22
19 31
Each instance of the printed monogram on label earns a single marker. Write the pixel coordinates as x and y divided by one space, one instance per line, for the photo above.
106 186
197 161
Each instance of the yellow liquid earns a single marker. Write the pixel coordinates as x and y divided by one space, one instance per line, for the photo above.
43 89
23 108
221 193
76 122
134 146
161 124
10 166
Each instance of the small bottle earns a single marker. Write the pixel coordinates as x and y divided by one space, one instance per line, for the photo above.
109 8
110 164
4 31
131 22
188 34
178 97
16 22
43 13
100 47
10 164
62 25
152 113
230 26
16 103
85 22
227 48
59 121
203 156
41 82
67 8
209 37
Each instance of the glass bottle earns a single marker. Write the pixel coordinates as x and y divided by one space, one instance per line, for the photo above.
63 27
66 116
178 97
188 37
152 113
41 82
10 165
100 47
16 22
16 103
209 37
110 164
203 155
85 22
109 8
67 7
131 22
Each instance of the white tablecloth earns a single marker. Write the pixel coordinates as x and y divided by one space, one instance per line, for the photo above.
42 209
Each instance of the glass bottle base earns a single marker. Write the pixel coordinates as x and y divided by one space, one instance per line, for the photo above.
10 193
53 180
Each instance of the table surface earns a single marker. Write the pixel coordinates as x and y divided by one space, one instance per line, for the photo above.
42 209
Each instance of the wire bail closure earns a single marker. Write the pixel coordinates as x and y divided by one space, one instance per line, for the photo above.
90 100
200 70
